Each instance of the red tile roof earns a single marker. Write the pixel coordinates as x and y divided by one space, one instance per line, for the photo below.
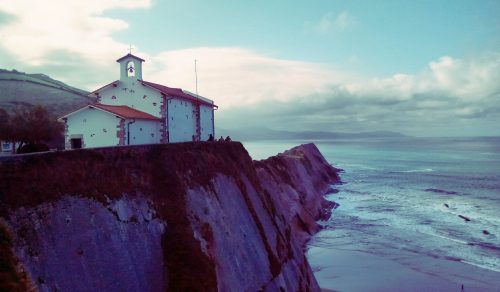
174 92
177 92
114 83
125 112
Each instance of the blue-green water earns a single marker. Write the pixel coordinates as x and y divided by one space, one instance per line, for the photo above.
406 194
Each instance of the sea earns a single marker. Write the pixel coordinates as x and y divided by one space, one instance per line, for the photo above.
415 214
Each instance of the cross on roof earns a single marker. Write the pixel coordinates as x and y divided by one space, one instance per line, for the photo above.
130 49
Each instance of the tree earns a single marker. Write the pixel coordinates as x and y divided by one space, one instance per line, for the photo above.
4 121
5 129
31 126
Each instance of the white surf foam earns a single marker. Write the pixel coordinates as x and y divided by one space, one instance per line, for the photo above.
418 170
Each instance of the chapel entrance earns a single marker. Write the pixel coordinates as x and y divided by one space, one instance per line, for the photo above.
76 143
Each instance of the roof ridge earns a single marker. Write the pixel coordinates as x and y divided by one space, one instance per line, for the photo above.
132 112
130 55
179 93
113 105
162 85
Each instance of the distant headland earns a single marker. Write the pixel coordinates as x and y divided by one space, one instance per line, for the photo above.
248 134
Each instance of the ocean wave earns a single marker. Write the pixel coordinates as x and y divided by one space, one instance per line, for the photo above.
440 191
487 245
479 181
356 165
486 267
444 237
350 191
417 170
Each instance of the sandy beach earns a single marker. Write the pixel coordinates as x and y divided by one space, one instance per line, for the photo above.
350 270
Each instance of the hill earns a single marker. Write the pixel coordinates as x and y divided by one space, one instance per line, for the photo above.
23 89
253 134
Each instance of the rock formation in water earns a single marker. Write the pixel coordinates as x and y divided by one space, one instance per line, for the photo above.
190 216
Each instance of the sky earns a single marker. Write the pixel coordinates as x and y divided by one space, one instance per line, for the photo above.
422 68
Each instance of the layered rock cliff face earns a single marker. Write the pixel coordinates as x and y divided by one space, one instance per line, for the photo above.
178 217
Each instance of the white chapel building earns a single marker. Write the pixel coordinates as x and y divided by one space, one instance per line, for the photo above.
131 111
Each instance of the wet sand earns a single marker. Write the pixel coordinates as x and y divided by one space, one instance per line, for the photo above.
349 270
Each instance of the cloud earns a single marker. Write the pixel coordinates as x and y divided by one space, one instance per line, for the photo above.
449 97
237 76
74 44
5 18
69 35
331 22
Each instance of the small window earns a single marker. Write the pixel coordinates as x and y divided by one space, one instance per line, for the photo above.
144 96
113 97
140 129
154 103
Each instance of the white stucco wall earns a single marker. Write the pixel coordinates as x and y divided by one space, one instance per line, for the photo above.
137 65
143 132
98 128
134 95
181 120
206 122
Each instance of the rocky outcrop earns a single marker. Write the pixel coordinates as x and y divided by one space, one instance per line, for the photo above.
189 216
297 180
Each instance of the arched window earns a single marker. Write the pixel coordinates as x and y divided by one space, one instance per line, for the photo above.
130 69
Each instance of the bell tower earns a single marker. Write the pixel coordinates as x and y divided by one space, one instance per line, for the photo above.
130 68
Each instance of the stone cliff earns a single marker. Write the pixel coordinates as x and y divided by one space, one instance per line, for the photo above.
178 217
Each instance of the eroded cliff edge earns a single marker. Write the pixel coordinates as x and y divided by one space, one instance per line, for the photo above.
189 216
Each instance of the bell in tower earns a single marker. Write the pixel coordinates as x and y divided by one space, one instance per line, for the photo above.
130 68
